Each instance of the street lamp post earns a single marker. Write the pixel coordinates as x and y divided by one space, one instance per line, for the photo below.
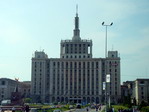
106 25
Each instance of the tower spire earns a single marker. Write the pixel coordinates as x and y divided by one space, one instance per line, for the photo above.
76 31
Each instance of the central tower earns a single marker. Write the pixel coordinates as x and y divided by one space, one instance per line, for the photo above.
77 47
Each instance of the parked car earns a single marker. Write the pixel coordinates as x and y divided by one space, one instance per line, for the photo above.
93 106
71 107
6 102
53 106
78 106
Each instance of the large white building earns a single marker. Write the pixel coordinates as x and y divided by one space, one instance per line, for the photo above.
76 76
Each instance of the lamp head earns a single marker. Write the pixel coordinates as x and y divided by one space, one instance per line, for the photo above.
111 24
103 23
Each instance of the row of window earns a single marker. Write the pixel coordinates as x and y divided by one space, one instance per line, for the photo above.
80 56
75 64
75 45
74 51
70 63
88 63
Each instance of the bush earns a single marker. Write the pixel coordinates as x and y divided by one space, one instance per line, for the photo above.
27 100
145 109
143 104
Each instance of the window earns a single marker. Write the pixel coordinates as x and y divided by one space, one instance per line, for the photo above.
34 92
115 92
96 64
92 64
88 64
115 88
115 70
84 50
84 66
115 75
66 64
79 64
115 79
142 88
40 64
3 82
96 92
2 92
141 82
92 92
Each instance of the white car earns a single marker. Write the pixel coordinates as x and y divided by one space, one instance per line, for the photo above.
5 102
57 110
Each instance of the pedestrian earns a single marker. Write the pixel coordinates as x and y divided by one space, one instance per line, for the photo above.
23 108
87 109
112 109
27 108
13 109
96 108
1 110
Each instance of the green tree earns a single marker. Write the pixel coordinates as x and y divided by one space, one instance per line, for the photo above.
27 100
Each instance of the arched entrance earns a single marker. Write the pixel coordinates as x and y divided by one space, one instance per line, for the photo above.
97 100
88 99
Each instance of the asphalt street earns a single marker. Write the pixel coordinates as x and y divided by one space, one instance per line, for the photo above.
84 110
78 110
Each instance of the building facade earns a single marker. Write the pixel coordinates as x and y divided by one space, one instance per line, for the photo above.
8 86
76 76
141 90
138 90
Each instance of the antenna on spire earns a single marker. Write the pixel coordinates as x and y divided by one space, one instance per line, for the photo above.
77 9
112 47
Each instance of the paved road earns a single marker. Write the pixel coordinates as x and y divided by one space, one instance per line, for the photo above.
7 111
84 110
78 110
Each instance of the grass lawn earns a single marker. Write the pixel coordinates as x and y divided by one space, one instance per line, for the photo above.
47 108
116 107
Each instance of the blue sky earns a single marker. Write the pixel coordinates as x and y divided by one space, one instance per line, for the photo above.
30 25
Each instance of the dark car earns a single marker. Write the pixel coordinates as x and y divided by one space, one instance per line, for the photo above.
78 106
